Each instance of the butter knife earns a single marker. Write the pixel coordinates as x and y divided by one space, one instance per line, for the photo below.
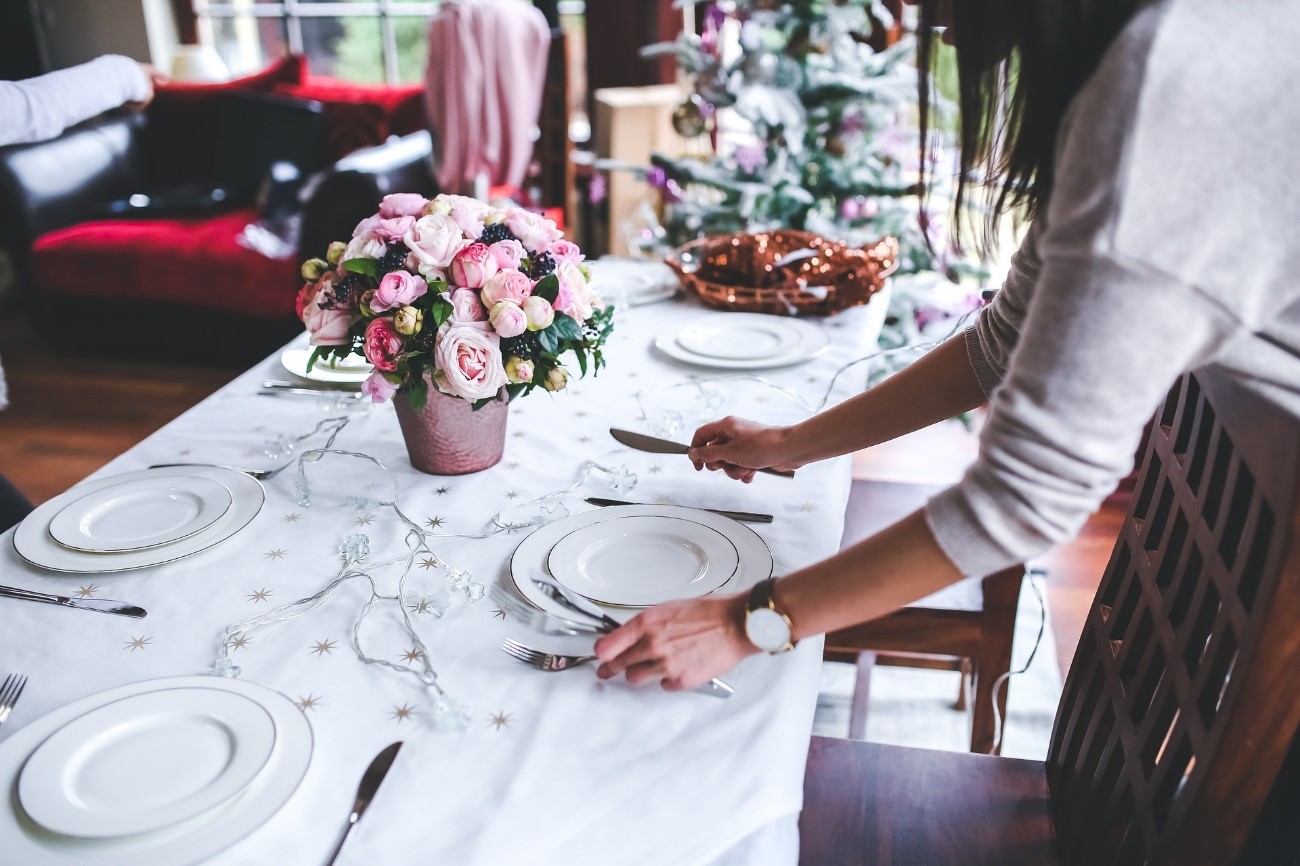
370 782
102 605
744 516
642 442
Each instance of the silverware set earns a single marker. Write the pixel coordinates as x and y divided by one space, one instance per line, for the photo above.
101 605
10 691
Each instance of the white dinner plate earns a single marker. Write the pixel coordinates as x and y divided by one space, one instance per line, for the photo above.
643 561
741 337
755 560
352 370
140 513
633 282
714 330
24 842
33 542
146 762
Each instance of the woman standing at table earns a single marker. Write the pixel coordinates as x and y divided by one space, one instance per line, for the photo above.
1152 143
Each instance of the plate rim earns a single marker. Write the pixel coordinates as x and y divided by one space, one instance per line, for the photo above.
628 605
192 842
794 331
344 377
229 504
102 563
133 830
666 344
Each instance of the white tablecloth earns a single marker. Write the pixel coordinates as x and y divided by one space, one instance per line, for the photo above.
553 768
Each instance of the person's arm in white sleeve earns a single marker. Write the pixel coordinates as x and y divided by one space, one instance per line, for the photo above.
42 108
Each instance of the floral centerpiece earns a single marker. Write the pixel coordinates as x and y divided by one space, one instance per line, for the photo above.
452 293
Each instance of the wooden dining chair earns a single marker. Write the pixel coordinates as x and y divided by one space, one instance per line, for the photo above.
967 627
1182 699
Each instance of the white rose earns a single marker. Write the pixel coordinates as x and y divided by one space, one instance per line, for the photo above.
470 362
364 246
582 300
434 241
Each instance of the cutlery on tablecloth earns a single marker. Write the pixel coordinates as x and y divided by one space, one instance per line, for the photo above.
743 516
272 388
542 660
370 782
259 474
102 605
655 445
583 607
10 691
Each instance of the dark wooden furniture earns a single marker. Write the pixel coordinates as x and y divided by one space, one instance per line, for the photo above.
1182 700
967 627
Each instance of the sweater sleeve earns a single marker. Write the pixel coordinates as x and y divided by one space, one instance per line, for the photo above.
42 108
990 341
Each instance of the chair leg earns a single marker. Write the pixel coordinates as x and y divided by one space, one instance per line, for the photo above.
963 687
861 695
1001 596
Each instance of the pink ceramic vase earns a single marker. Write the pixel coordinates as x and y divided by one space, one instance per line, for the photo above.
447 437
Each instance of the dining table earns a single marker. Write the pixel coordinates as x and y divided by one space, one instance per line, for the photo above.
535 767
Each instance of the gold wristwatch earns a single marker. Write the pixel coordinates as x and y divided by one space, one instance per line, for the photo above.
766 627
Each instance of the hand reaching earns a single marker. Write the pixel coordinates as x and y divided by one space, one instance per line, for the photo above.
740 448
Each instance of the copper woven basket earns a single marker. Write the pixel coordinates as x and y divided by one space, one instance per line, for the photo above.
784 272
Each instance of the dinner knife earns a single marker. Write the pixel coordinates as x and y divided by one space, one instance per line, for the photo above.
103 605
654 445
370 782
745 516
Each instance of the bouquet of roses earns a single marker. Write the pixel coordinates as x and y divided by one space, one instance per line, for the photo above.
454 292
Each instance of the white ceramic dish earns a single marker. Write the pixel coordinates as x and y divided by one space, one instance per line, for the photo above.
633 282
714 330
140 513
755 560
643 561
33 542
26 843
146 762
739 337
352 370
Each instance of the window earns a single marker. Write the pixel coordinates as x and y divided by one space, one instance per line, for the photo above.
373 42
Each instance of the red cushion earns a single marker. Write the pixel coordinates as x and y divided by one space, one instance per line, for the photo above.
195 262
360 115
182 137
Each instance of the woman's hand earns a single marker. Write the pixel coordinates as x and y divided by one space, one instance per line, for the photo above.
740 448
683 643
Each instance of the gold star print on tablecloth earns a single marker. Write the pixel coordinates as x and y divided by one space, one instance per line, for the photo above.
500 720
136 643
364 520
513 464
419 608
322 647
512 495
655 469
434 522
260 595
499 613
310 702
428 562
807 506
88 590
277 553
240 642
412 655
584 439
518 434
442 491
291 517
402 713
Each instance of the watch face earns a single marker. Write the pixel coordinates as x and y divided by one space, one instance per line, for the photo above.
767 630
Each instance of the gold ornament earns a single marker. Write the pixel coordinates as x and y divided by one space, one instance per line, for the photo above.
689 119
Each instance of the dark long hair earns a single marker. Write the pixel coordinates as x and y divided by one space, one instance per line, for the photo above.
1019 64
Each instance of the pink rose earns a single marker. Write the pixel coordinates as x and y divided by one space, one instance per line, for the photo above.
469 217
573 285
566 251
367 226
393 229
377 388
326 327
465 307
508 319
506 286
383 344
306 295
508 253
535 231
364 246
434 241
473 266
402 204
397 289
470 362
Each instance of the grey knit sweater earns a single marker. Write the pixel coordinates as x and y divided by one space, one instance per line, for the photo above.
1171 242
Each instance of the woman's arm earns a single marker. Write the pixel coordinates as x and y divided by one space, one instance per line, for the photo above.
42 108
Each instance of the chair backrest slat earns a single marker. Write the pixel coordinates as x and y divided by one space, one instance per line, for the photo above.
1184 694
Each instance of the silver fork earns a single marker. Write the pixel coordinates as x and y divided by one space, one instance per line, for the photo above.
543 661
259 474
10 691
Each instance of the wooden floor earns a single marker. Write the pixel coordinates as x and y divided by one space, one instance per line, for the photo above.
68 416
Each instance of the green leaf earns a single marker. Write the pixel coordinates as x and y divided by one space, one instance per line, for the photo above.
316 354
549 340
418 395
479 404
548 287
582 362
368 267
565 328
440 313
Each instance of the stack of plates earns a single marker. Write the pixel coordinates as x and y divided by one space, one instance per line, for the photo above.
634 556
744 341
167 771
138 519
349 372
